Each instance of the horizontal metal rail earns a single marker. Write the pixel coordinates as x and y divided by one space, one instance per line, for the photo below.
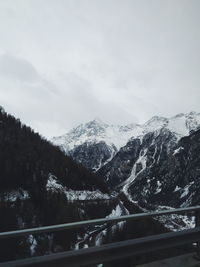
109 252
65 226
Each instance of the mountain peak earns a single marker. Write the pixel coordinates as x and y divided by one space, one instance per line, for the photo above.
193 113
96 124
156 118
2 110
97 120
96 131
156 122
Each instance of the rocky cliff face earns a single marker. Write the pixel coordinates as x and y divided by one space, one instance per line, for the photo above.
119 168
138 156
93 155
174 180
158 170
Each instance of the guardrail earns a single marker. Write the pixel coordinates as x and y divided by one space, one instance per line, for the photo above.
108 252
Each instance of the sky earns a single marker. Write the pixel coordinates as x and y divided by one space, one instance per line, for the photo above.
65 62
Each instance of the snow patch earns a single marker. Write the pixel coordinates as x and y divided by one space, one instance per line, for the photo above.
142 160
158 190
177 188
73 195
33 244
13 195
175 222
176 151
53 185
186 190
117 212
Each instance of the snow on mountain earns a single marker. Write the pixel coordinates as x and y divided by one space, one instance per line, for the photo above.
53 185
97 131
12 196
181 124
175 222
94 132
139 167
95 143
141 160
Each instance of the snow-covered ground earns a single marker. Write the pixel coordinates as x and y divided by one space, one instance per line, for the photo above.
97 235
176 151
13 195
74 195
186 190
175 222
94 132
118 211
33 244
133 176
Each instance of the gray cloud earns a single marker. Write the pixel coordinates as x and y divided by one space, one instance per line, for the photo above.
65 62
17 68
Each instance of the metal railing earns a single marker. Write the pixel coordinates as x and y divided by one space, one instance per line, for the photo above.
108 252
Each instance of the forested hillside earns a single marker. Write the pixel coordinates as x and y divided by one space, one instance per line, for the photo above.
32 174
26 160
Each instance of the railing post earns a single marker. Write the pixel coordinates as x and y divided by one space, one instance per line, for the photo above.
197 224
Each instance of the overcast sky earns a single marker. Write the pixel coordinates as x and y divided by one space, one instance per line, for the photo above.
63 62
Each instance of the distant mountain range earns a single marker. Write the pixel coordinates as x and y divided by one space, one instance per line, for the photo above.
141 160
95 143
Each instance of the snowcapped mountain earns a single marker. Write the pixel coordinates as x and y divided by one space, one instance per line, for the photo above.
172 179
138 155
137 158
95 143
94 132
180 125
158 172
156 169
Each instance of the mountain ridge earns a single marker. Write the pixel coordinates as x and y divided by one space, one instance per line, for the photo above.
107 139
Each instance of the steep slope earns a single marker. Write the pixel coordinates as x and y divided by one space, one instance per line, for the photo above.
38 184
147 149
174 180
26 158
136 157
157 172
